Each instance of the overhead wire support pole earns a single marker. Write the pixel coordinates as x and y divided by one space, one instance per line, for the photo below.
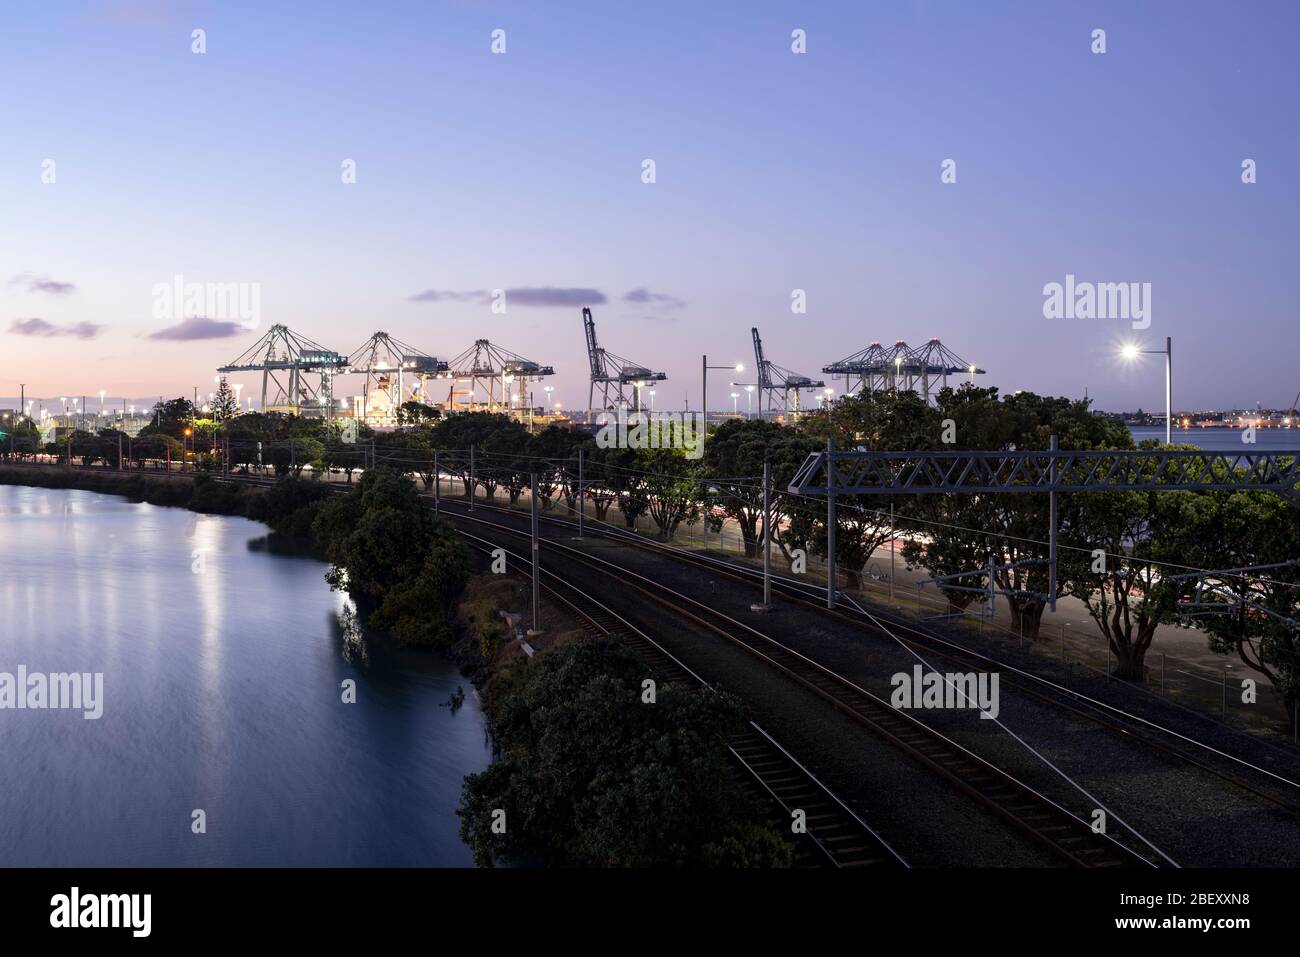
830 524
537 561
471 478
437 484
582 495
767 533
767 539
1051 548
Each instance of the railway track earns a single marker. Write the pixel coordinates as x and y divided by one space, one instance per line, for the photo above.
1049 824
1106 716
837 835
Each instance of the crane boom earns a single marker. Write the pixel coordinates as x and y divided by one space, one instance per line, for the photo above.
595 355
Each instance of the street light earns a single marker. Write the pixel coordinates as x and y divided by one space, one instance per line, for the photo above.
735 396
1130 352
652 400
749 401
704 391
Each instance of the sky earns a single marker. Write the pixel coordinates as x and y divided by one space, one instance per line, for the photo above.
127 159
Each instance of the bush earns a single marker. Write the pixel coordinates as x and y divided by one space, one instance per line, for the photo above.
587 774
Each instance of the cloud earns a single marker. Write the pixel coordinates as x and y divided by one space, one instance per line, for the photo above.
661 299
542 296
441 295
36 283
198 327
48 330
553 296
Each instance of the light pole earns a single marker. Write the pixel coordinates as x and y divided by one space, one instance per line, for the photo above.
749 401
1130 352
735 409
704 392
652 400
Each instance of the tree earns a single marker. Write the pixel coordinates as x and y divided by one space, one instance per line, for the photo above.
1111 569
551 453
589 775
412 412
670 483
224 405
386 550
872 421
170 418
1239 529
733 470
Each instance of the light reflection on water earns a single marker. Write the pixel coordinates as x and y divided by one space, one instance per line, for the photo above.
222 691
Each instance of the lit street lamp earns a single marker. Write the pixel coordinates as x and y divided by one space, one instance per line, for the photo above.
704 390
735 396
1130 353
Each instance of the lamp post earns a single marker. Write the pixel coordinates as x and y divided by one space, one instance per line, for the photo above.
749 401
704 392
735 398
1130 352
652 400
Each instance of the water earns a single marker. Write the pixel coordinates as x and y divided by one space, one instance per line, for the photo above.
221 692
1223 440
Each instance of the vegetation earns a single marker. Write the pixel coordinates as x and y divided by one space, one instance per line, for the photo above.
589 774
388 551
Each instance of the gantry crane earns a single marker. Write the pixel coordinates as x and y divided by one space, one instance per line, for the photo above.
779 385
283 356
390 367
498 375
923 370
612 374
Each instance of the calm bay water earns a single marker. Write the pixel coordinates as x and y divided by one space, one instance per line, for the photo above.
1223 440
221 692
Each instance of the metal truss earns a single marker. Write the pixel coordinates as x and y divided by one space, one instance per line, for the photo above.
834 474
929 473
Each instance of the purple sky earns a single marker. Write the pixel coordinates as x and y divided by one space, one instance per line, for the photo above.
775 171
